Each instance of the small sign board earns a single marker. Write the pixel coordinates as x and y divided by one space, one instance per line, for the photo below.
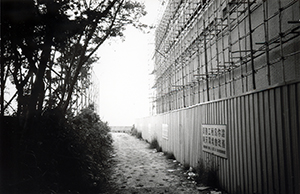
214 139
164 131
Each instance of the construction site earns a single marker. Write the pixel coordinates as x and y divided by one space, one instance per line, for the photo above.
208 50
230 66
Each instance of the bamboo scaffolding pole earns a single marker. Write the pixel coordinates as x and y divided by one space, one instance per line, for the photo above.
266 31
231 73
240 48
251 45
281 39
206 62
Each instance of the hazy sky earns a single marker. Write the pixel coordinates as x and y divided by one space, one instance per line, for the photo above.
123 72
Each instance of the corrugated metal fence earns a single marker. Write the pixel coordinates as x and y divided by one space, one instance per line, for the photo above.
262 138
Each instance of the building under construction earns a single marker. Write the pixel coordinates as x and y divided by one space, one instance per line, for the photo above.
208 50
230 66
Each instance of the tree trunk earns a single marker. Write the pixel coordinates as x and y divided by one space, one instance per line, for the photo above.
2 84
83 59
37 92
78 68
2 89
72 85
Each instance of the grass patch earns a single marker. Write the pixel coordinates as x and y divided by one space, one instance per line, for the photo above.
155 145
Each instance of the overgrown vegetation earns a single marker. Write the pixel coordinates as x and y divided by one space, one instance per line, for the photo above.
169 155
155 145
47 51
48 48
59 156
186 166
207 174
136 133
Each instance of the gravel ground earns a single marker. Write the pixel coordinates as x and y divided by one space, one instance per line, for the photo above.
138 169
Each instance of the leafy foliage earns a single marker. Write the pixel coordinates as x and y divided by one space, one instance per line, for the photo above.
93 136
48 52
60 156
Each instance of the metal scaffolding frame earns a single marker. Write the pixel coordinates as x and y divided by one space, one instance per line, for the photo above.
207 50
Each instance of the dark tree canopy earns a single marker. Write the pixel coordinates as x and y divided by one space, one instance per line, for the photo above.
48 46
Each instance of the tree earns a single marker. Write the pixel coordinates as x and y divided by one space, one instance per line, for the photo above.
40 37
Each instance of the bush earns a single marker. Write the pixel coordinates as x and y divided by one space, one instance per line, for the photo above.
59 155
169 155
94 143
207 174
186 166
155 145
136 133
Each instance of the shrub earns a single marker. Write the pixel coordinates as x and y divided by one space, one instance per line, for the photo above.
136 133
207 174
186 166
94 143
169 155
155 145
59 155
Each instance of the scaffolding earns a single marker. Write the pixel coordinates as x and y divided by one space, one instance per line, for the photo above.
212 49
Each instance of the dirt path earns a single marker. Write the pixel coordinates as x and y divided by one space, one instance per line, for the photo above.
138 169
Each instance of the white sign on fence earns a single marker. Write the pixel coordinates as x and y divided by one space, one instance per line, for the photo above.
214 139
164 131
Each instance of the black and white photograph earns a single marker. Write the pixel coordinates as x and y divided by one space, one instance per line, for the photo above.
150 97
